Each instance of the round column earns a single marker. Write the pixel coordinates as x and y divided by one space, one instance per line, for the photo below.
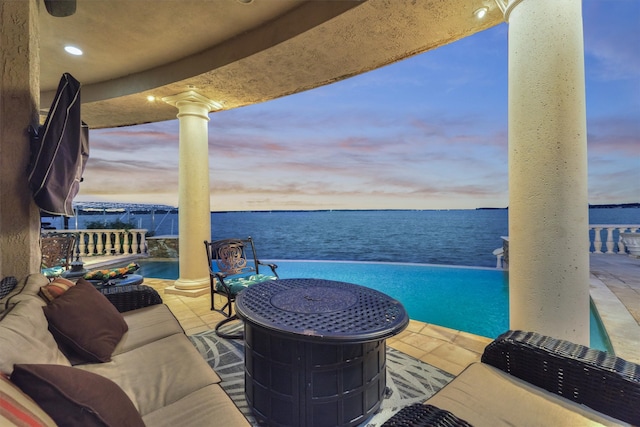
193 188
548 205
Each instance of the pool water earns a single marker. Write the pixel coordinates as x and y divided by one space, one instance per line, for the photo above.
474 300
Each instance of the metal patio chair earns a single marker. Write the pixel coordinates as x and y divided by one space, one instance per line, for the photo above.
233 266
57 253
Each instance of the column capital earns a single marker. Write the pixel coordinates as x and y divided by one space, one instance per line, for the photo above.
506 6
190 97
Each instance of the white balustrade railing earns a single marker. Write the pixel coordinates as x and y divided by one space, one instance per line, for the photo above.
93 242
605 238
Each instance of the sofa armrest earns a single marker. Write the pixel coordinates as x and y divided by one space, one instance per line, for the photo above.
131 297
591 377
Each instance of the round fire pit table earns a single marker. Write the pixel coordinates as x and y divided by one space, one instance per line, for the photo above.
315 350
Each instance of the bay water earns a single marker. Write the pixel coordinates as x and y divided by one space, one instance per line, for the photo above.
448 237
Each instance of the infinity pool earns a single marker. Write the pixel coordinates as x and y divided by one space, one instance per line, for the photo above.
474 300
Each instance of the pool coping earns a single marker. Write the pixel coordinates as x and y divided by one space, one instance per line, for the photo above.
622 329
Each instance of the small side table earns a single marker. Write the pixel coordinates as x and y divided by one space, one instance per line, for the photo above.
129 279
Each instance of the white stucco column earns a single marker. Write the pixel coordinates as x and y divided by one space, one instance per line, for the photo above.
548 205
193 188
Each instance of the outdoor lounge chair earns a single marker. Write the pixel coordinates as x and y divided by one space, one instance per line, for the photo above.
57 253
233 266
527 379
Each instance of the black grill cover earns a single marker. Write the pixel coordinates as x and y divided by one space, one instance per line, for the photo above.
59 151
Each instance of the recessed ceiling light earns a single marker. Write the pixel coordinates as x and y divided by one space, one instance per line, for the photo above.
481 13
245 1
73 50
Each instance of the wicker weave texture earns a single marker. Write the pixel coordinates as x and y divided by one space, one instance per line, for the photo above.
597 379
419 415
131 297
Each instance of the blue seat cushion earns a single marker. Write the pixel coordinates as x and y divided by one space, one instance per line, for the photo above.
128 279
112 273
53 271
237 284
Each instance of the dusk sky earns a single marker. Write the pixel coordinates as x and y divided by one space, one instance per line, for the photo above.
429 132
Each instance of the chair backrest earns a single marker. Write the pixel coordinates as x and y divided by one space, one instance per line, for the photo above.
232 256
57 249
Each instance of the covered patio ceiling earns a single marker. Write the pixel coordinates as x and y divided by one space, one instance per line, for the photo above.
234 52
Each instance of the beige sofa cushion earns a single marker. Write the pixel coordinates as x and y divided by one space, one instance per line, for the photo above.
209 406
25 337
27 288
486 396
159 373
147 325
73 397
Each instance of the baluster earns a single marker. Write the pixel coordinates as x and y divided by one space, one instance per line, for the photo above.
92 244
597 243
82 246
127 246
610 240
134 242
143 242
118 241
621 248
100 243
137 238
109 235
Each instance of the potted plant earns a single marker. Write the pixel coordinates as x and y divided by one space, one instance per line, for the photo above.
632 242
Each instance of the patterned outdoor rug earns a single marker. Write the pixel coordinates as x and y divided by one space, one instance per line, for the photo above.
409 380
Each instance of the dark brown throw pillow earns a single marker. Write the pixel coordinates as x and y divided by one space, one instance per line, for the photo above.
84 321
76 398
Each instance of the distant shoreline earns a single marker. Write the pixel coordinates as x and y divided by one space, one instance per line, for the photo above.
623 205
610 206
136 208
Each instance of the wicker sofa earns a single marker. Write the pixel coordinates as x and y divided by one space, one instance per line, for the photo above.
151 375
527 379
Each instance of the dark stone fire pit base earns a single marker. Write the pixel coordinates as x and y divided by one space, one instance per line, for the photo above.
289 382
